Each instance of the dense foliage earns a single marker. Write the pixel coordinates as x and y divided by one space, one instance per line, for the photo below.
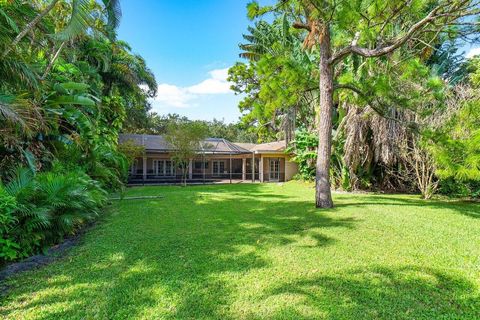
159 124
395 124
68 88
37 211
325 56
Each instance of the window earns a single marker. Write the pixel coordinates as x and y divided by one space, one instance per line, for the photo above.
274 169
163 168
218 167
168 168
198 165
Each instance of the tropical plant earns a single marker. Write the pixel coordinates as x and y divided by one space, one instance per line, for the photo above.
68 88
39 210
362 30
303 149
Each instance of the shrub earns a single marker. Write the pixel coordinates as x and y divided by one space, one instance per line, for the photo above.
41 209
9 249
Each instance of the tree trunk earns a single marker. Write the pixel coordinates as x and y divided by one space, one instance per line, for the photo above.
29 27
55 57
323 196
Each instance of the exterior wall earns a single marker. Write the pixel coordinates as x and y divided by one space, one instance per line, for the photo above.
291 169
266 166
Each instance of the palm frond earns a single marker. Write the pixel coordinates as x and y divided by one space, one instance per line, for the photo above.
8 110
79 21
114 12
21 183
10 22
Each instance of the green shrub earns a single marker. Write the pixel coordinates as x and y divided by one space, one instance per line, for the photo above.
455 188
9 249
41 209
304 153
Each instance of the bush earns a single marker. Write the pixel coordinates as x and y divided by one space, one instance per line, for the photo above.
9 249
304 153
39 210
454 188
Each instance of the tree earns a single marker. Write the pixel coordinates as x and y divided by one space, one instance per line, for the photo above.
185 139
68 100
277 83
368 29
456 147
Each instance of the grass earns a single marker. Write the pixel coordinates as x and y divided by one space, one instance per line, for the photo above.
263 252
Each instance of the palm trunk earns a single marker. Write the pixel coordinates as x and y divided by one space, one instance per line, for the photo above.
52 61
29 27
323 196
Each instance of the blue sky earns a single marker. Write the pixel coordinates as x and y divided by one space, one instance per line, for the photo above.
189 45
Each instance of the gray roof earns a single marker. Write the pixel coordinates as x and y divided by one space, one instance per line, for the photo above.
158 143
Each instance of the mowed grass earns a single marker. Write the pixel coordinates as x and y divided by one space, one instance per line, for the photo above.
262 252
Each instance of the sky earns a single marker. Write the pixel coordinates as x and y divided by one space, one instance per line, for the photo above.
189 45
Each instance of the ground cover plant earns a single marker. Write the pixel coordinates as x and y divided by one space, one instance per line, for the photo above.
261 251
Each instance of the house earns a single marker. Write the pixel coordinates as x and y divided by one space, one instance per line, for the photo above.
216 160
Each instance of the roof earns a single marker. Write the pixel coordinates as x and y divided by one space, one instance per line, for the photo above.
247 146
157 143
269 147
277 146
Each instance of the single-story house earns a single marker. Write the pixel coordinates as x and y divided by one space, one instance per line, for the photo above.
217 160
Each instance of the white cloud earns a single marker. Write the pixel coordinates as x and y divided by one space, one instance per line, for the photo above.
181 97
173 95
216 84
473 52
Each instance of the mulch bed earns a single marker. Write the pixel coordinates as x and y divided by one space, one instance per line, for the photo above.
54 253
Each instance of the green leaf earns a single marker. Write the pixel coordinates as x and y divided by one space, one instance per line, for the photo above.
79 21
73 99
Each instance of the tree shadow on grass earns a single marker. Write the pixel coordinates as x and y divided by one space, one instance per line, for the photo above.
380 293
174 258
147 264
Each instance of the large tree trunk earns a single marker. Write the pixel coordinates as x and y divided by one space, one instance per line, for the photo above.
323 196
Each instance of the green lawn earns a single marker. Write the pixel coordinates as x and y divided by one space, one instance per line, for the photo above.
263 252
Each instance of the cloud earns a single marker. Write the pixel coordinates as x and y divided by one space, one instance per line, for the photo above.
473 52
173 96
182 97
216 84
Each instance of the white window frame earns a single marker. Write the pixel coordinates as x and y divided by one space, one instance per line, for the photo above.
274 175
218 172
163 172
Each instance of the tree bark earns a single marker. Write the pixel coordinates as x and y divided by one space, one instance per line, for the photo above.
323 196
29 27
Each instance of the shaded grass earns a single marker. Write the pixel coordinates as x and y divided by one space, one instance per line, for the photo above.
263 252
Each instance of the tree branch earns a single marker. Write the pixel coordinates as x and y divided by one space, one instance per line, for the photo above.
50 65
370 102
301 25
434 14
29 27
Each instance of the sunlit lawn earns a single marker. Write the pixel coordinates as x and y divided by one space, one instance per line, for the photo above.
263 252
